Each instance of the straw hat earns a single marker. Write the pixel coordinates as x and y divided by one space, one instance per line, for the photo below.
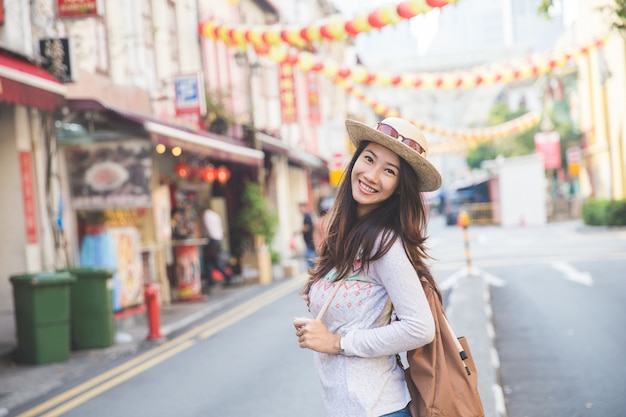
428 176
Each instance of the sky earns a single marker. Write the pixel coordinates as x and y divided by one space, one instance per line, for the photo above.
408 38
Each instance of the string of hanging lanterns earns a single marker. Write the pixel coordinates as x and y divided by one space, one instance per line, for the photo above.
273 41
334 28
527 68
208 173
463 137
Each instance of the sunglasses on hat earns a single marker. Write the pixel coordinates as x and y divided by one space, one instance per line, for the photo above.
390 131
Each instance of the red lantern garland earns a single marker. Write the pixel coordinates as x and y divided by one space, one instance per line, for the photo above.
333 29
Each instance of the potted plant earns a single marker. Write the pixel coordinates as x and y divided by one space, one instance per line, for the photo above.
259 225
218 120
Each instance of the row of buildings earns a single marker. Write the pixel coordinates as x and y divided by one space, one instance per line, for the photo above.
105 127
114 113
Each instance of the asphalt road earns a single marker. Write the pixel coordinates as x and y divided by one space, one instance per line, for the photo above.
559 310
558 299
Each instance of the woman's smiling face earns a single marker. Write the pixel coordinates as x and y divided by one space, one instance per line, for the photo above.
374 177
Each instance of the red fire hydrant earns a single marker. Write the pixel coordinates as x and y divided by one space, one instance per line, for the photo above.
151 294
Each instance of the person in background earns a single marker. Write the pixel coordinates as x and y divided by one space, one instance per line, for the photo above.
180 228
307 234
318 226
213 250
374 250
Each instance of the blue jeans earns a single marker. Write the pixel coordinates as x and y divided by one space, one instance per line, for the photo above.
310 256
400 413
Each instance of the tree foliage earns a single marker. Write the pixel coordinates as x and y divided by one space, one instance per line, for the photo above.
556 110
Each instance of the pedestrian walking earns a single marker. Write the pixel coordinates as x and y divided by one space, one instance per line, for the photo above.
213 250
307 234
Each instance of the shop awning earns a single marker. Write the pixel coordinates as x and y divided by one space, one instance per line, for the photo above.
24 83
204 143
296 156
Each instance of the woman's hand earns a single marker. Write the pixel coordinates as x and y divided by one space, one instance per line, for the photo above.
312 334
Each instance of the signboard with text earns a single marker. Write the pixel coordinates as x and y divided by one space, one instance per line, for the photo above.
189 94
110 174
287 89
70 9
57 58
314 98
28 195
548 145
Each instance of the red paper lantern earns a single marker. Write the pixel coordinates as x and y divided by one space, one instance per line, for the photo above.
262 49
436 3
350 28
223 174
404 10
324 32
208 174
182 169
344 72
292 58
304 34
375 19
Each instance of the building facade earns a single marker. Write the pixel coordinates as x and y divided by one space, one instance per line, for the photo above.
104 156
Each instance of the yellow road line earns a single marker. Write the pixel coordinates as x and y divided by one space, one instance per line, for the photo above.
221 323
204 330
118 380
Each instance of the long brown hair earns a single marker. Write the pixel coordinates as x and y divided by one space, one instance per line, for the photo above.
403 215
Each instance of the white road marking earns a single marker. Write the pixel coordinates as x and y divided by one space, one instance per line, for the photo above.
490 279
572 274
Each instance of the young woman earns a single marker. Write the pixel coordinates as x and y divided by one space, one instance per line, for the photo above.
374 250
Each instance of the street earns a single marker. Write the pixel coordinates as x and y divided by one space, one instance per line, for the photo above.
558 313
558 300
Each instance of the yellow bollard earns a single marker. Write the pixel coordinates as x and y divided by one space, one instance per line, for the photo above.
463 221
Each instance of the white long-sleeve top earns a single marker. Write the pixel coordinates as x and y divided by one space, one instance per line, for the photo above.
366 380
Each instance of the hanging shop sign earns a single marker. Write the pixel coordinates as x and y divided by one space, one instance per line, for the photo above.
314 98
109 175
548 145
28 195
189 95
573 156
287 94
57 58
70 9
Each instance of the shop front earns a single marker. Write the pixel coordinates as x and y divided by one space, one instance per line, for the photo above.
137 188
29 97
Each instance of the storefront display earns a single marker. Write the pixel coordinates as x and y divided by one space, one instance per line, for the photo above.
187 245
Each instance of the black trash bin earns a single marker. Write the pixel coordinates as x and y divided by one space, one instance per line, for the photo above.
91 300
42 316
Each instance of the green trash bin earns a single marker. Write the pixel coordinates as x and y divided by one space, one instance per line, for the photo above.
91 299
42 316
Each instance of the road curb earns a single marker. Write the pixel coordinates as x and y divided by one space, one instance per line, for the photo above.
470 313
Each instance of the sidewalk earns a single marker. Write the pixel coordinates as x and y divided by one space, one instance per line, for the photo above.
468 310
21 383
